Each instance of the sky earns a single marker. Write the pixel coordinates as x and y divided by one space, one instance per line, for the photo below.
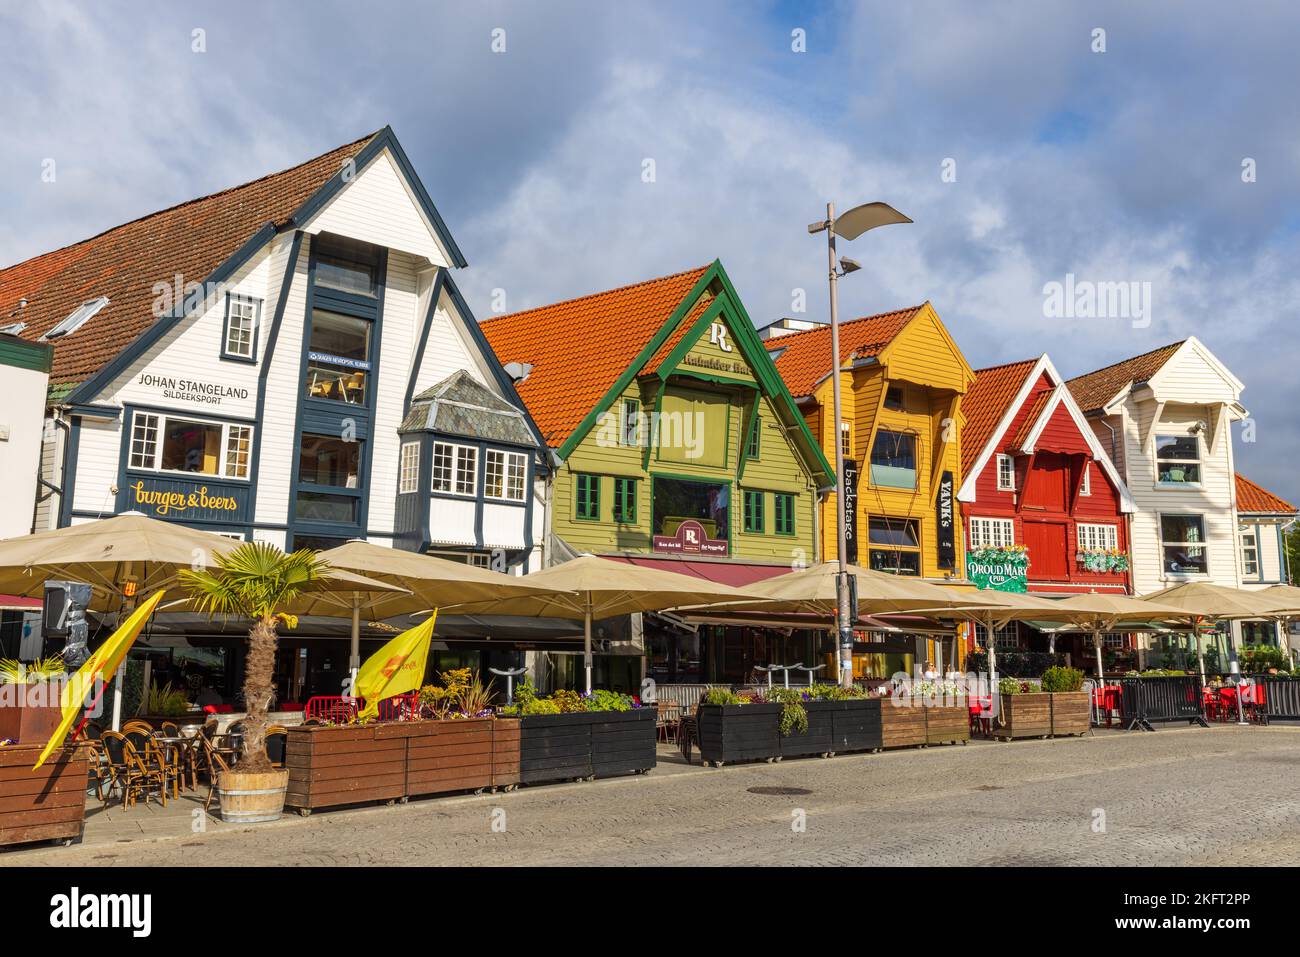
576 146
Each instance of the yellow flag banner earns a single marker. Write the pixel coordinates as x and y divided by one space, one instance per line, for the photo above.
396 668
102 664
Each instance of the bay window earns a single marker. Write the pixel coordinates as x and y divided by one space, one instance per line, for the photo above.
455 468
504 475
1182 544
170 443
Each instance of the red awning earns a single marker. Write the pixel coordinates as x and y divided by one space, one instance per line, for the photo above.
735 574
14 603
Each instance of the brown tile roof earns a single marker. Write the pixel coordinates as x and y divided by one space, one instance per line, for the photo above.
1036 406
125 262
805 357
1094 389
985 403
580 347
1256 498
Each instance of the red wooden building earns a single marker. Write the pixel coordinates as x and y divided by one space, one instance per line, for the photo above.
1036 477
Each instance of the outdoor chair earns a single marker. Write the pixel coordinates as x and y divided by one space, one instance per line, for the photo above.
157 760
130 772
170 729
92 731
216 762
277 741
688 733
144 726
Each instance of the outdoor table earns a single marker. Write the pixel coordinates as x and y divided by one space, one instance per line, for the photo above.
1107 699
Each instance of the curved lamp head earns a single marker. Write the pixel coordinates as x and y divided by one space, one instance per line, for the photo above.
859 219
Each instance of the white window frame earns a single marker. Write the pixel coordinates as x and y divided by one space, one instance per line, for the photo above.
1204 545
1199 461
1007 638
632 440
1114 639
1006 466
511 465
408 477
464 460
253 307
144 456
1085 487
1096 536
991 532
846 439
1246 549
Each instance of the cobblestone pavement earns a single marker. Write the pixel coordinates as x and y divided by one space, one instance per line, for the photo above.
1176 797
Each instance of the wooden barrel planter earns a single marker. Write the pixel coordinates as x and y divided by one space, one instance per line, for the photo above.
350 764
902 725
947 724
585 744
1024 716
739 732
856 725
252 797
1071 713
44 805
819 739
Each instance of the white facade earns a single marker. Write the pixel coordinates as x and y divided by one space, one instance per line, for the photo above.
25 371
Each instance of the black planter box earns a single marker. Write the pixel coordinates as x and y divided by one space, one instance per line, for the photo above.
819 738
856 725
554 747
739 732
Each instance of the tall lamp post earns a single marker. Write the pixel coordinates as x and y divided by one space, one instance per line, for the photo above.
851 225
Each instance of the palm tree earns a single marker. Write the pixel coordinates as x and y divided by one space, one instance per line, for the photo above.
256 580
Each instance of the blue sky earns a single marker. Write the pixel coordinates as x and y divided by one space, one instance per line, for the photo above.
1115 166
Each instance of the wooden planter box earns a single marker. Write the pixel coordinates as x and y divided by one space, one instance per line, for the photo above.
555 747
818 739
902 726
22 719
332 766
947 724
1023 716
739 732
856 725
1071 712
44 805
452 755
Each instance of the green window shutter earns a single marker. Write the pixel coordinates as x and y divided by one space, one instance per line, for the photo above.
588 504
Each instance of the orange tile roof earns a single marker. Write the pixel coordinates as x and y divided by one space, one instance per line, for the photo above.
1036 406
1094 389
1256 498
985 403
580 347
124 262
805 357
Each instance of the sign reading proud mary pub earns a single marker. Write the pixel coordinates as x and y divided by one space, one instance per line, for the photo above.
999 569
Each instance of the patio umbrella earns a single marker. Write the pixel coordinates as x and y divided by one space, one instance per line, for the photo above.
589 587
997 608
1199 600
422 582
1099 613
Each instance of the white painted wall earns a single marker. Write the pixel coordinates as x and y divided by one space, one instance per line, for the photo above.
22 416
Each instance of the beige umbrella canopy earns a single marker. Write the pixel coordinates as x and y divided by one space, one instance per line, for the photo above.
1288 595
1207 600
1099 612
106 554
589 587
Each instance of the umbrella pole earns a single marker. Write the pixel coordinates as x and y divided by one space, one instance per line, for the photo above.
354 648
1096 644
586 641
1200 645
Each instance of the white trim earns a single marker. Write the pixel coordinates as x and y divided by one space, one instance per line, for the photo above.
458 452
161 419
967 491
408 468
974 540
1108 530
1010 460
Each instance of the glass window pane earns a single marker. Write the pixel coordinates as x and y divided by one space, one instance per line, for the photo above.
237 444
191 447
347 265
1182 528
324 507
338 360
144 441
897 563
893 460
895 531
326 460
1181 447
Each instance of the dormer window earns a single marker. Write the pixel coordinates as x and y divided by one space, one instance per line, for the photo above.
1178 460
76 319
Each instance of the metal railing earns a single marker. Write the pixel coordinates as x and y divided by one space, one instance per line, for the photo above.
334 709
1281 696
1144 701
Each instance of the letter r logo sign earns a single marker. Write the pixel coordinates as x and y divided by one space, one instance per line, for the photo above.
718 336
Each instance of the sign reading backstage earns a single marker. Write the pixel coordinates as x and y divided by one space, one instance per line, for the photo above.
944 523
851 515
689 540
210 393
188 501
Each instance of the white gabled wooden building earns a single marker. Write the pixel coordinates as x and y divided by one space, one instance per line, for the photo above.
243 363
1165 418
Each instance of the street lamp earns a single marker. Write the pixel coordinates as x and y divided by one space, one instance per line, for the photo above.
851 225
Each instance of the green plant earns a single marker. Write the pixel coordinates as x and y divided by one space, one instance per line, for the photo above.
721 696
604 700
568 702
166 701
1259 658
794 716
534 706
1060 679
256 580
14 672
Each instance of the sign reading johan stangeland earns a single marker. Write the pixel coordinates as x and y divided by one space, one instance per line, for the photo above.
191 390
181 500
690 539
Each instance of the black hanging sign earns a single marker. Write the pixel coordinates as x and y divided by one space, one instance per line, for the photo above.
851 511
944 521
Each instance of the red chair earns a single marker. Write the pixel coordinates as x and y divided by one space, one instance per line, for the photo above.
1210 701
1254 698
1106 700
981 714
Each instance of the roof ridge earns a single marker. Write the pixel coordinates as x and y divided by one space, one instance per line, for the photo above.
825 326
593 295
190 202
1007 365
1140 355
